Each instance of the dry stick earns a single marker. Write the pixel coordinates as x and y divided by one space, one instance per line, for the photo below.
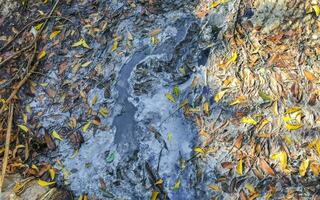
27 26
24 80
7 144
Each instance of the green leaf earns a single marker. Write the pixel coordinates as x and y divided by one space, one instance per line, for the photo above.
265 96
176 91
169 137
111 157
23 127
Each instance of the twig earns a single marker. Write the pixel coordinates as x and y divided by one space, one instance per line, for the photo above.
7 144
29 73
27 26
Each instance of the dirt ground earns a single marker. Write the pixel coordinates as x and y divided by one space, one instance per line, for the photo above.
148 99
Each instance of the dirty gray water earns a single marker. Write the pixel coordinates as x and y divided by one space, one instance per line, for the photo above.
145 137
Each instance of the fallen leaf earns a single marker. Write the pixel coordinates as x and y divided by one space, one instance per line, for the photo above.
111 157
177 185
215 4
170 97
199 150
250 188
43 183
176 91
219 95
82 43
115 45
282 157
42 54
239 168
238 141
104 111
52 173
206 108
265 96
159 182
234 57
248 120
293 110
154 195
315 168
214 187
170 137
266 167
54 34
309 76
56 135
316 9
86 126
23 127
293 126
38 26
303 167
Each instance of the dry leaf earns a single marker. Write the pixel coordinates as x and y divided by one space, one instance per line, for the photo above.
43 183
309 76
266 167
239 168
303 167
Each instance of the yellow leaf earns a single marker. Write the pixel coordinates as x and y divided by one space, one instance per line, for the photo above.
206 108
239 168
154 195
303 167
85 197
214 187
52 173
177 185
183 164
35 167
219 95
263 124
170 97
54 34
215 4
28 109
159 182
80 197
238 100
170 137
81 42
115 45
234 57
316 9
86 64
23 127
56 135
288 140
94 100
104 111
42 54
38 26
45 183
287 118
250 188
293 110
248 120
86 126
293 126
282 157
268 196
25 118
44 84
199 150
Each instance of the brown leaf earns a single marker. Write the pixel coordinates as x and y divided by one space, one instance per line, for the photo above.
227 165
62 67
49 141
295 91
266 167
43 170
238 141
312 99
242 195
